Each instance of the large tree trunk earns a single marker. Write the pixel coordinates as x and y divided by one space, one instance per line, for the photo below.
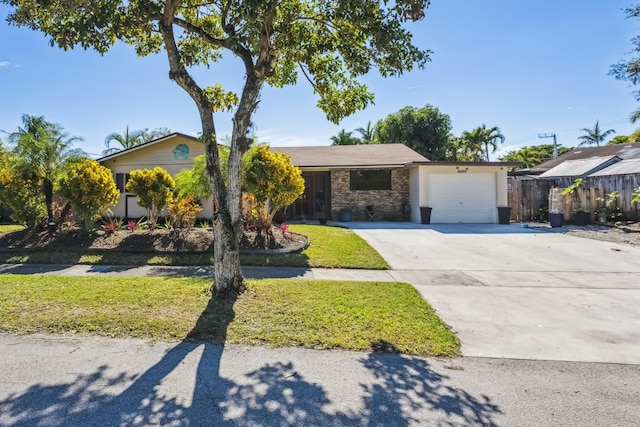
227 226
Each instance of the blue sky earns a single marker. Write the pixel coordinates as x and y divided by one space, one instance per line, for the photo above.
527 67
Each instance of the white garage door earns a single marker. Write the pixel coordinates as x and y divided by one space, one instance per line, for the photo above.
467 198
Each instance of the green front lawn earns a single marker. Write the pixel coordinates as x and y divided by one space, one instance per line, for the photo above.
8 228
273 312
331 247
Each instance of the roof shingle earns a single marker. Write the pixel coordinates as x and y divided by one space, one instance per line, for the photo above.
345 156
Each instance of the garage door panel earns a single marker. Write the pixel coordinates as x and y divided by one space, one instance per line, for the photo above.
462 198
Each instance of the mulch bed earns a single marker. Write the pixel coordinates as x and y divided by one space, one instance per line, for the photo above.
158 240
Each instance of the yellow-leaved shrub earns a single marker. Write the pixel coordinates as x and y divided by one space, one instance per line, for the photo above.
90 189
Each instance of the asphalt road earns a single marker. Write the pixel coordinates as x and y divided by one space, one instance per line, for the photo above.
73 381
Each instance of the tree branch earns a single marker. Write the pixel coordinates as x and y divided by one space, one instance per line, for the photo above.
199 31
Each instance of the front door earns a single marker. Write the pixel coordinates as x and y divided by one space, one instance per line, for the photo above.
315 201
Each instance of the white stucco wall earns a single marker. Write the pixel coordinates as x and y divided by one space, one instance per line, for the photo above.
420 175
415 196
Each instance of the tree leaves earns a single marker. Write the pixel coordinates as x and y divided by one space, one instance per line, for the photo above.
425 130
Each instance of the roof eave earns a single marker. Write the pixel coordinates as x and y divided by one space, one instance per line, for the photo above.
146 144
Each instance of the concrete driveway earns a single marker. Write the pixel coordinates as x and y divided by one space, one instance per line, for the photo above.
524 293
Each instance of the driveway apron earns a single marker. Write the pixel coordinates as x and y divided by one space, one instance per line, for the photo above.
515 292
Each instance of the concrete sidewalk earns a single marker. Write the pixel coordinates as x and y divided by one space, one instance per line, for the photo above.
538 315
198 271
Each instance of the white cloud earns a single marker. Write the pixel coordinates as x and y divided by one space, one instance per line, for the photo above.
4 64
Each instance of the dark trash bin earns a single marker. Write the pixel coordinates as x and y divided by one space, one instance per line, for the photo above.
581 218
425 215
556 220
504 214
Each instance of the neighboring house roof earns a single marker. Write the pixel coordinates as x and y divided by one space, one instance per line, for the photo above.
629 166
352 156
580 167
624 151
146 144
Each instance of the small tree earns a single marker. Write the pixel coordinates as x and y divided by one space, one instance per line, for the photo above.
44 151
90 189
153 187
195 181
272 179
23 196
331 44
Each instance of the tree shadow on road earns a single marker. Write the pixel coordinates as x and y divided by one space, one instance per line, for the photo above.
395 391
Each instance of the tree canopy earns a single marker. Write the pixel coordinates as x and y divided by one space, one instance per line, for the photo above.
345 138
594 136
629 69
474 145
43 151
425 130
531 156
131 138
329 43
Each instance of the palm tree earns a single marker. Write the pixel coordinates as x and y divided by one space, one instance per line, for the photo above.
131 139
528 156
594 136
150 135
367 133
635 116
475 144
344 138
126 140
491 138
43 150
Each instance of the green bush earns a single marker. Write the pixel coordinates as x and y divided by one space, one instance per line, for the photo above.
23 196
91 191
153 187
183 212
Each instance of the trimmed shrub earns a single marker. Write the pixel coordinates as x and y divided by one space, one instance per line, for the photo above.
153 188
91 191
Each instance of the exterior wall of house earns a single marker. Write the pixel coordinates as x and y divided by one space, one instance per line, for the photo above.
420 183
414 195
387 204
163 154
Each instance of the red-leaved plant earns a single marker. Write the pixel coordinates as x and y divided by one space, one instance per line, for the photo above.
110 226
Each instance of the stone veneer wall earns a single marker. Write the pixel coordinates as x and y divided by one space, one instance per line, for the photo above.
387 203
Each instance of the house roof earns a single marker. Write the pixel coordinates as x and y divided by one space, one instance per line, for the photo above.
146 144
624 151
623 167
580 167
352 156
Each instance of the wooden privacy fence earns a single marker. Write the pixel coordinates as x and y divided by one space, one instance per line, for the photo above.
529 198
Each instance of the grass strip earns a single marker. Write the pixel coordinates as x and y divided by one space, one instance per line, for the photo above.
331 247
388 317
8 228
